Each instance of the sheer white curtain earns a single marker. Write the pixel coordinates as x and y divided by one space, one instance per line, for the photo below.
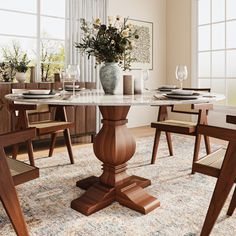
76 9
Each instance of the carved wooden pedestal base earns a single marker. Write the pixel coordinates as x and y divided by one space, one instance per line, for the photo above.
114 146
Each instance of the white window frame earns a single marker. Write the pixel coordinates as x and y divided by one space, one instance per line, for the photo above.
194 42
38 37
194 52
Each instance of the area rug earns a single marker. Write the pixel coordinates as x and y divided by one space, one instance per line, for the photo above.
184 198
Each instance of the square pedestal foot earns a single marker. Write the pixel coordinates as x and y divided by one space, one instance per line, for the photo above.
95 198
135 197
87 182
142 182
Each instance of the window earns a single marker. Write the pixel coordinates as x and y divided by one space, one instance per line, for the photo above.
35 27
216 47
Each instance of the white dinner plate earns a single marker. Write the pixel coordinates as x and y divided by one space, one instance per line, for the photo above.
166 89
38 96
183 97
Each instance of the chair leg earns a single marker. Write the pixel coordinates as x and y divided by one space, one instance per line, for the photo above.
223 186
10 201
207 144
219 197
92 138
155 146
196 150
15 151
232 205
30 153
169 142
68 144
52 145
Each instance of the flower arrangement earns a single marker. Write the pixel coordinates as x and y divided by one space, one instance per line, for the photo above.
22 65
108 43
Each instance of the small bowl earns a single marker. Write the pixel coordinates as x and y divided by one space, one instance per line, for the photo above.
182 92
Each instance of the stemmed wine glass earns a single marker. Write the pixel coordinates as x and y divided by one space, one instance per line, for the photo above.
63 76
144 76
73 73
181 74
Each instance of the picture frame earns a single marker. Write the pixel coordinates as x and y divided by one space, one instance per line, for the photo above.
143 51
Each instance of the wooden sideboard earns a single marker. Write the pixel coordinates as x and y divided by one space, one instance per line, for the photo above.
83 116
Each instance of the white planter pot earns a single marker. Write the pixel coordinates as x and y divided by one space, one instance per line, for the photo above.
20 77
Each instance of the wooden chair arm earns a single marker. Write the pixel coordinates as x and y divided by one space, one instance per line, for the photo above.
202 106
231 119
217 132
178 109
193 110
11 138
17 107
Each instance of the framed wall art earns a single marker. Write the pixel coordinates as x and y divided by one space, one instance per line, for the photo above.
143 51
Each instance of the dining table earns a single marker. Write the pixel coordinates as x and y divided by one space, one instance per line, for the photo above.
114 146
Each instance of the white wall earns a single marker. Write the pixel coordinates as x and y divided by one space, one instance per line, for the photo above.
178 38
153 11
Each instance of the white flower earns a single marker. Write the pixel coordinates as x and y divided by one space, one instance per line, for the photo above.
125 33
110 20
112 41
97 21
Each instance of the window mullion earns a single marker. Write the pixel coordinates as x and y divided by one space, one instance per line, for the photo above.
38 59
211 44
226 87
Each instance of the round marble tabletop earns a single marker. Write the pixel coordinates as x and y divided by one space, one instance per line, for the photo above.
96 97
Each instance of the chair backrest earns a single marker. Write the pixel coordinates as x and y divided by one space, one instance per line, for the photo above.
189 108
41 108
219 132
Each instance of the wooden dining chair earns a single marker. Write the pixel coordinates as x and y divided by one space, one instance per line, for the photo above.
13 172
181 127
55 122
220 164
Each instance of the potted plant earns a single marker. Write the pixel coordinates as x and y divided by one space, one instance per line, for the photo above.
21 67
111 45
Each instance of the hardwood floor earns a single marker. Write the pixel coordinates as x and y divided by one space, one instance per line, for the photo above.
138 132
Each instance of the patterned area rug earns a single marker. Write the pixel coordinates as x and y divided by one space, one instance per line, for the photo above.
184 198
